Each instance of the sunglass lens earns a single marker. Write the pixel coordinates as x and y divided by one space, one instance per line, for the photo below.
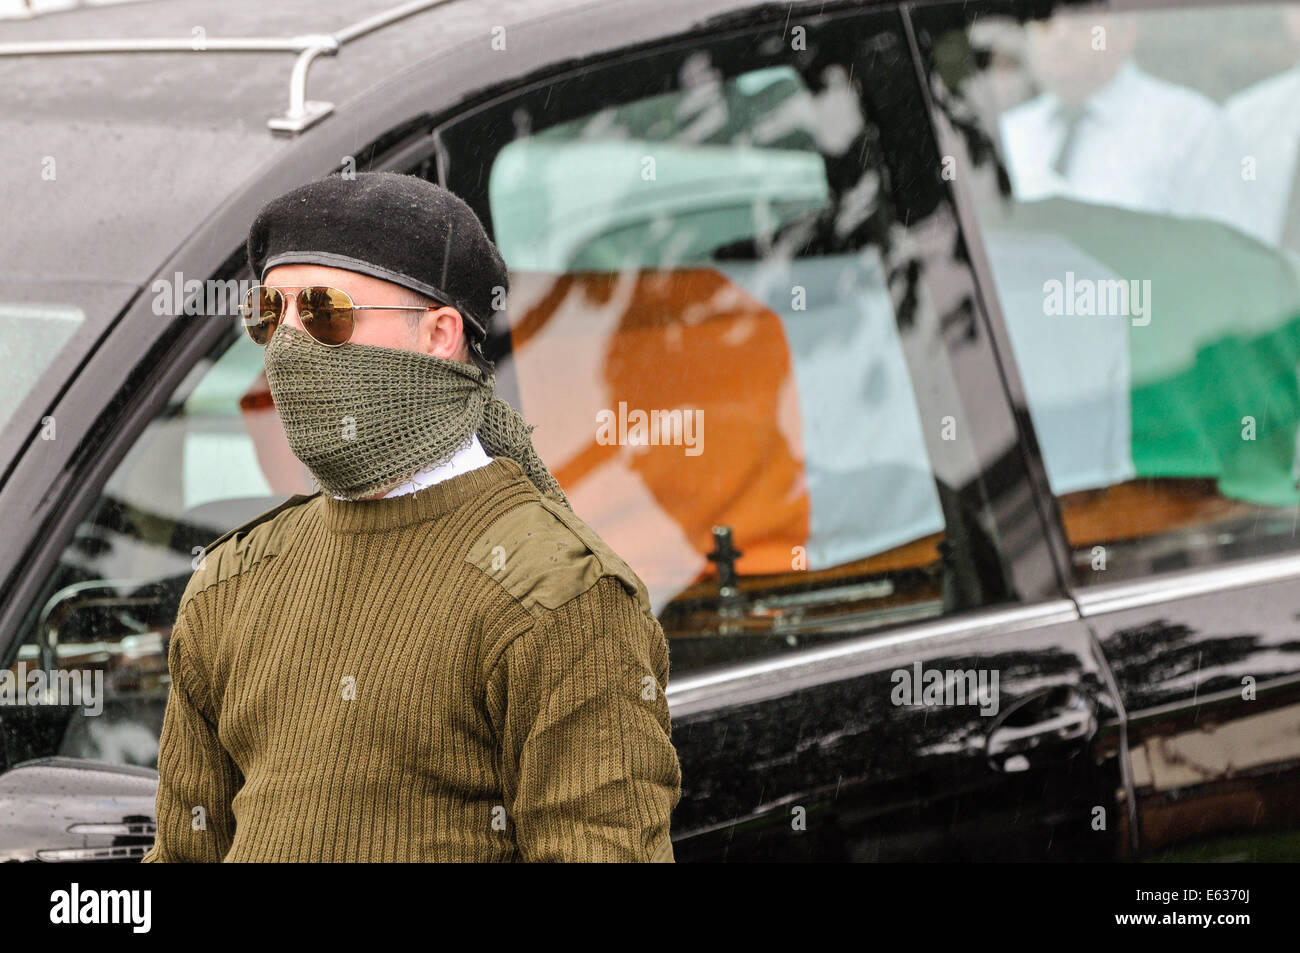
262 309
326 314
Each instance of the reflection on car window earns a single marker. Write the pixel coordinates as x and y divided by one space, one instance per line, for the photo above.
1131 206
591 194
736 414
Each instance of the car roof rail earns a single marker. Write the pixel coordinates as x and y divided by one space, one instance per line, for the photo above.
302 113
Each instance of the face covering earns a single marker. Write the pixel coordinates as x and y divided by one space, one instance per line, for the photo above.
364 419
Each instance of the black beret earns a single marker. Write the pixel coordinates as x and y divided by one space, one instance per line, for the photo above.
400 228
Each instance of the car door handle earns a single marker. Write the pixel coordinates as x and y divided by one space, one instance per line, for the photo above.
1045 727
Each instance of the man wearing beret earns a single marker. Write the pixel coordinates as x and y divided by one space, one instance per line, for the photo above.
433 657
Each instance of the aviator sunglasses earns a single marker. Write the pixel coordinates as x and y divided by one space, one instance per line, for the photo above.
327 314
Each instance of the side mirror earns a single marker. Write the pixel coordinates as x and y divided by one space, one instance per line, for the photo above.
65 809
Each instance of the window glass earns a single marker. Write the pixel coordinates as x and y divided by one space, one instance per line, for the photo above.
702 329
31 336
563 199
47 325
1137 183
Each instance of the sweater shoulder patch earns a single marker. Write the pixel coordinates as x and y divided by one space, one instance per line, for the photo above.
243 547
544 555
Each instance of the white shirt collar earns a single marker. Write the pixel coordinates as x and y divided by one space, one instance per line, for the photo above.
467 458
1115 97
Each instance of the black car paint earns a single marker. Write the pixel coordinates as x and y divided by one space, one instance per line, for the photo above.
878 781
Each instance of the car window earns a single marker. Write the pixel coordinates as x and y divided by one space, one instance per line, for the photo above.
215 457
46 324
563 199
31 336
1136 181
702 329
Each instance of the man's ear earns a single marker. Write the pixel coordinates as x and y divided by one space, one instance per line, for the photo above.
441 332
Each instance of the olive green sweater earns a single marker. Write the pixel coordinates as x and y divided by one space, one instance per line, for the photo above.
465 673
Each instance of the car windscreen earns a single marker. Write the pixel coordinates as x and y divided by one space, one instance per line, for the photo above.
46 327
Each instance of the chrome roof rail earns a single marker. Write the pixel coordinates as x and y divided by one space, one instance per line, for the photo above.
302 112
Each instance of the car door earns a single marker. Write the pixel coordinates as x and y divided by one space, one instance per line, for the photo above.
746 231
1168 424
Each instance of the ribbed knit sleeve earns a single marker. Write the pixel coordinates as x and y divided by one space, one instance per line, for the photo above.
194 771
589 771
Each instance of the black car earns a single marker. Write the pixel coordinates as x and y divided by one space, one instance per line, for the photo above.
953 434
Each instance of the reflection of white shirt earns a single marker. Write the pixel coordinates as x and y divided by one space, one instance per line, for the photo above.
1269 120
464 460
1075 369
1141 144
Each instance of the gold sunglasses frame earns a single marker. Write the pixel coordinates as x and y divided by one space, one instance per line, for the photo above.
247 308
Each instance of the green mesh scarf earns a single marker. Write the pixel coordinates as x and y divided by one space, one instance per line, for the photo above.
364 418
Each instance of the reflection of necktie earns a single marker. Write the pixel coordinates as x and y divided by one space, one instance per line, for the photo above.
1291 224
1070 115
